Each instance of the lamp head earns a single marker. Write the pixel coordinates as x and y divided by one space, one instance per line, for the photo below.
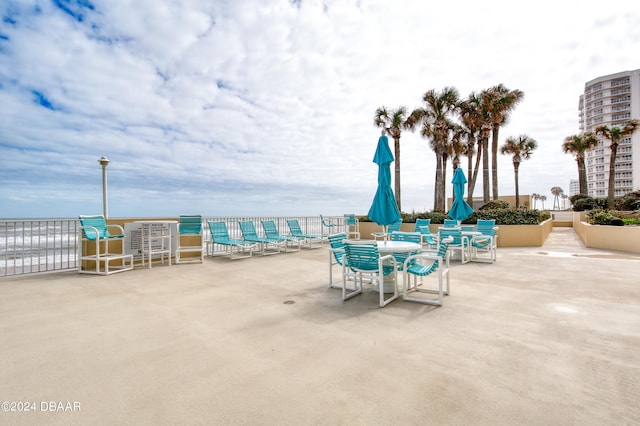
104 161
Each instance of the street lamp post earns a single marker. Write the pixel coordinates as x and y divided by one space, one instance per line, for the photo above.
104 162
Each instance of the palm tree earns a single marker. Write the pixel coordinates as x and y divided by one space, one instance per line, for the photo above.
502 102
543 198
520 148
578 145
535 197
564 200
556 191
472 116
393 121
615 135
437 126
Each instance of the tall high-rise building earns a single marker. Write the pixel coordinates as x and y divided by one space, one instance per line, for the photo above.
612 100
574 187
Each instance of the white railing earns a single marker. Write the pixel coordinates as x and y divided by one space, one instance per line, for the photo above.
51 245
36 246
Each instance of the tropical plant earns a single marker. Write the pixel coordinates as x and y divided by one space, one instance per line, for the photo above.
437 125
543 198
501 102
564 200
535 197
393 121
474 118
520 148
557 192
578 145
615 135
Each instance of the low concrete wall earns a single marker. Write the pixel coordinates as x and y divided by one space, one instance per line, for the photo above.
508 235
620 238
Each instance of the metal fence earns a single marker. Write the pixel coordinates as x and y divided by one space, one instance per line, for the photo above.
51 245
36 246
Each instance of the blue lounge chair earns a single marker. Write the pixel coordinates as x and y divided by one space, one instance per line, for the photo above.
288 242
95 229
310 240
235 249
267 245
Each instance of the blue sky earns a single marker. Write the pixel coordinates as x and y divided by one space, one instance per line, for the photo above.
265 107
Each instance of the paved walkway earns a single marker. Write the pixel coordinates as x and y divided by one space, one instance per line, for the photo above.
545 336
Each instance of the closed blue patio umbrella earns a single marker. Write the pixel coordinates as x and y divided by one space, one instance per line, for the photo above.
460 210
384 209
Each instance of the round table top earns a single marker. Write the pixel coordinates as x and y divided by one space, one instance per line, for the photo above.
397 246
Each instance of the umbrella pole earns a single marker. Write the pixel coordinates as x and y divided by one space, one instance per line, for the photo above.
385 228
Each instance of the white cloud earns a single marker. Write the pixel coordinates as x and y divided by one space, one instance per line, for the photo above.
253 107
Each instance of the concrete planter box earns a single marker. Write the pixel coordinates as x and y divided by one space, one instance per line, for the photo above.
620 238
508 235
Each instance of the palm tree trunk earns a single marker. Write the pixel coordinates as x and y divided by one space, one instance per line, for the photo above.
516 165
473 176
611 196
582 176
485 169
494 161
397 172
437 193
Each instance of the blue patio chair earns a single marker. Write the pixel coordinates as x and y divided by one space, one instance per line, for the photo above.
220 237
460 243
394 227
451 223
412 237
267 245
95 229
429 240
329 224
189 229
362 258
288 242
425 264
353 226
484 247
310 240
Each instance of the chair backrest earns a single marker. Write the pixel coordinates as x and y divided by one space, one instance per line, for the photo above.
325 222
486 226
98 222
467 228
294 227
350 219
394 227
362 256
248 229
219 231
190 224
450 223
337 240
420 223
443 249
413 237
270 229
456 234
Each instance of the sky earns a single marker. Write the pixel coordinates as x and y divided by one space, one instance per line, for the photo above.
265 107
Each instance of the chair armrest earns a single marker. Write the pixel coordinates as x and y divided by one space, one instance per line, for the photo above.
118 227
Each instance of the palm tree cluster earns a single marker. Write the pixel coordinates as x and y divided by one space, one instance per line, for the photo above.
579 144
455 127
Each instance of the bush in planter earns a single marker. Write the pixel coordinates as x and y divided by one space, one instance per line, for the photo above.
589 203
627 203
509 216
603 217
495 205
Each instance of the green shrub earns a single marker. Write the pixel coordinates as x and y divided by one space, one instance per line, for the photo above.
589 203
627 203
495 205
631 221
603 217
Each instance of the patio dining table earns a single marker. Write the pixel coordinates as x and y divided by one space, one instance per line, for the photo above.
391 247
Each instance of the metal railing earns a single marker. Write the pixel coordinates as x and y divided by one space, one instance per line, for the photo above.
37 246
51 245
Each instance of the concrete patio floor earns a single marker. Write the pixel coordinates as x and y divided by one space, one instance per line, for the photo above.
545 336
